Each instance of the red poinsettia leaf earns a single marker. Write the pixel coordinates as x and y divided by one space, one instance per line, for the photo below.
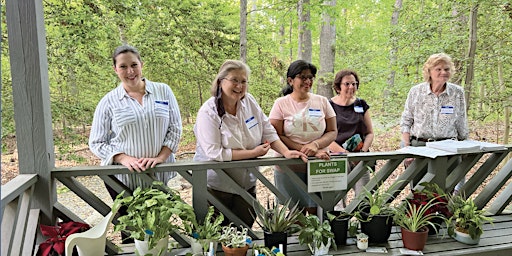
51 231
44 249
59 247
70 228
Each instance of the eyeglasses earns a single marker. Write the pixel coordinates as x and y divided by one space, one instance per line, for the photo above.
304 78
236 81
347 84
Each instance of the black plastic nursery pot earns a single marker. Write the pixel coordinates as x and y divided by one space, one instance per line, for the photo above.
275 239
339 226
438 222
378 228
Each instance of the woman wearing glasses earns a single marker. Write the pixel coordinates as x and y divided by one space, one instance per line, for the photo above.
305 122
231 126
355 131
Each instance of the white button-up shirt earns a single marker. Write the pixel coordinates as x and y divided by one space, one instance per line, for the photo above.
216 137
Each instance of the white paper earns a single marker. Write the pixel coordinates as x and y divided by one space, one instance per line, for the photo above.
425 151
406 251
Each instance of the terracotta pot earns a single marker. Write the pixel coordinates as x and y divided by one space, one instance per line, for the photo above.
415 240
238 251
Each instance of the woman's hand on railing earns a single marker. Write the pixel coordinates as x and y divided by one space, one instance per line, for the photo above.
296 154
322 154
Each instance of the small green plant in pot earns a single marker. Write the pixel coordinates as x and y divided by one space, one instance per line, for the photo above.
153 213
430 191
276 221
339 221
317 235
204 232
465 225
375 213
415 221
235 242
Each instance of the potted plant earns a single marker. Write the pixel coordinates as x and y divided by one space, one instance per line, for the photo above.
430 191
362 241
376 214
465 225
339 221
414 221
261 250
54 245
317 235
234 242
276 221
204 232
153 213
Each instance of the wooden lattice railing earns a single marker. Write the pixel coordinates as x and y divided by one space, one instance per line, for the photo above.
489 174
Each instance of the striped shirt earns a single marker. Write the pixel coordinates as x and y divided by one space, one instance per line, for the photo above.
429 116
122 125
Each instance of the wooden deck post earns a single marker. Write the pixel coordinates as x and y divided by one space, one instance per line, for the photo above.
29 69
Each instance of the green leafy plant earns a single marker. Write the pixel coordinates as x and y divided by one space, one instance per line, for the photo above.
466 218
233 237
315 233
208 229
376 202
337 215
277 218
265 251
156 209
415 217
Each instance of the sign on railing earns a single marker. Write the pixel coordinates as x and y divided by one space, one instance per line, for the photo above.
328 175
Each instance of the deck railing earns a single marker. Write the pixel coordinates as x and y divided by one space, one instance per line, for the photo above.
490 173
19 221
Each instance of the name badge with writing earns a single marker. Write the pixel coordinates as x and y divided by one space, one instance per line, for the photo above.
315 112
447 110
251 122
163 102
358 109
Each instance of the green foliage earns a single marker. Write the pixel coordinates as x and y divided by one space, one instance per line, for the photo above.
209 228
415 217
315 233
377 201
278 218
157 209
183 43
233 237
466 218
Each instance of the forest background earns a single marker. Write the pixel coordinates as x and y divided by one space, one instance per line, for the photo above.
183 43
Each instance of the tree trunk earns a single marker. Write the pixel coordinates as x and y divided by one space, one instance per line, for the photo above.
389 90
243 31
471 54
327 52
506 111
305 45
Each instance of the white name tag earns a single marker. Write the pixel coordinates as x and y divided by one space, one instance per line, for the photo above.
251 122
315 112
358 109
447 110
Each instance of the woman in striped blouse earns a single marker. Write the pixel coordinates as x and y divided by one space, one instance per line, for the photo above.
137 124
